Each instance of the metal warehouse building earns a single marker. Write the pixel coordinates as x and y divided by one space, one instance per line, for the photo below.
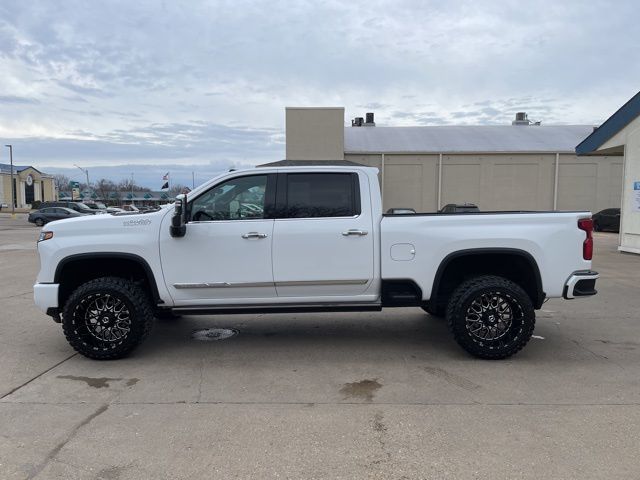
522 166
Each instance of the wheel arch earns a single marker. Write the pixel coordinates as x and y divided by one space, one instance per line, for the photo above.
76 269
461 264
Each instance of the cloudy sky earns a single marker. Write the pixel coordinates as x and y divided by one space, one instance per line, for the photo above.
151 86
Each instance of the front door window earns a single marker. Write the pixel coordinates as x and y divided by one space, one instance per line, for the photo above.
241 198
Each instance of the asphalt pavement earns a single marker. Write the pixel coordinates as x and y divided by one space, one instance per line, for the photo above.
360 395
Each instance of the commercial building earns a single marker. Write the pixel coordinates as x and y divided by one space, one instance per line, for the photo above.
136 197
619 137
29 185
522 166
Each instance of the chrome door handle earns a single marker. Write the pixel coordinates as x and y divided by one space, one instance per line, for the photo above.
354 231
254 235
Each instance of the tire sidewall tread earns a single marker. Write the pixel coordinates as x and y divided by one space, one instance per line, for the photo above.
465 293
141 316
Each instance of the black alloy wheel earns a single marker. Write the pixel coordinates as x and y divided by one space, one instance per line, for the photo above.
491 317
107 318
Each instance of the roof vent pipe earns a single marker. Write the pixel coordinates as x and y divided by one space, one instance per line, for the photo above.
521 119
357 122
370 122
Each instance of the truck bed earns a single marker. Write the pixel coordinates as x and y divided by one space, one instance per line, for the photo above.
551 239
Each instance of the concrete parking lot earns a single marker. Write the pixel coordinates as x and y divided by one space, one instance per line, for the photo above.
372 395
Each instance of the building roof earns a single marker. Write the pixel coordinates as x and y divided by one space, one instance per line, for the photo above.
6 168
466 139
612 125
311 163
139 195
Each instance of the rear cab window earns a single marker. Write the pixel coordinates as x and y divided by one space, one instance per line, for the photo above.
318 195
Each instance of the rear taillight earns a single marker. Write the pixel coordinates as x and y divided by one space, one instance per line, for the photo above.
586 224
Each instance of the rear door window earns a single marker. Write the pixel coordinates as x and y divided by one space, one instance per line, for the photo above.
314 195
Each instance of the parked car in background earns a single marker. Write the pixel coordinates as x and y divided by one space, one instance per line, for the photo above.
148 208
400 211
459 208
607 219
46 215
130 208
97 206
115 210
77 206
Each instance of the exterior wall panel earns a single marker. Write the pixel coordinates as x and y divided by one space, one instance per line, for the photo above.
630 221
577 186
403 186
461 182
499 181
510 187
314 133
421 174
614 190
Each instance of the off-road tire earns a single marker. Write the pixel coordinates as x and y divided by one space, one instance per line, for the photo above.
75 317
39 222
520 328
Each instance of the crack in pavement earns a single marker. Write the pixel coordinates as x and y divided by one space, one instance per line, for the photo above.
37 376
451 378
51 456
201 380
17 295
596 355
380 431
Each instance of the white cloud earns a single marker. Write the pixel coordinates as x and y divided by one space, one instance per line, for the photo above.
123 82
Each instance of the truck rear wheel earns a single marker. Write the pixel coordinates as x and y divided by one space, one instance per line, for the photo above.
491 317
107 318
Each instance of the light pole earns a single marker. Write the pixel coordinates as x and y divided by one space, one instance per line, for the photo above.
13 191
86 172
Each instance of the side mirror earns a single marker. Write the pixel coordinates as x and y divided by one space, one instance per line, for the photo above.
178 221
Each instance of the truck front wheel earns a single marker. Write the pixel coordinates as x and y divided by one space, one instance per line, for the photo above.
107 318
491 317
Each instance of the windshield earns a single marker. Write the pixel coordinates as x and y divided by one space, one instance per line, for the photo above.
83 206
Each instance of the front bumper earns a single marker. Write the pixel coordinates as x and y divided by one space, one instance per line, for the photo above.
581 284
45 296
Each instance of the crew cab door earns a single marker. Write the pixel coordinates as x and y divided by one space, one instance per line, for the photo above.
226 251
323 239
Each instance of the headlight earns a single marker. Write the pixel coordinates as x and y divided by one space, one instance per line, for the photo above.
45 236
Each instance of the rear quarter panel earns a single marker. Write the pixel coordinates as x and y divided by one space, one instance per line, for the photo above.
552 239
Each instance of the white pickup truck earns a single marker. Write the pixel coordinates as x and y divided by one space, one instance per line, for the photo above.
311 238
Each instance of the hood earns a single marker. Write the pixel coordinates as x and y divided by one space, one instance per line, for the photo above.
108 223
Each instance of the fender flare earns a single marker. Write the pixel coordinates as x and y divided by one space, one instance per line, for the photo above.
112 255
472 252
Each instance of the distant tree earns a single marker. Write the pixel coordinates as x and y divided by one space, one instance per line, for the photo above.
125 186
61 181
177 189
104 188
